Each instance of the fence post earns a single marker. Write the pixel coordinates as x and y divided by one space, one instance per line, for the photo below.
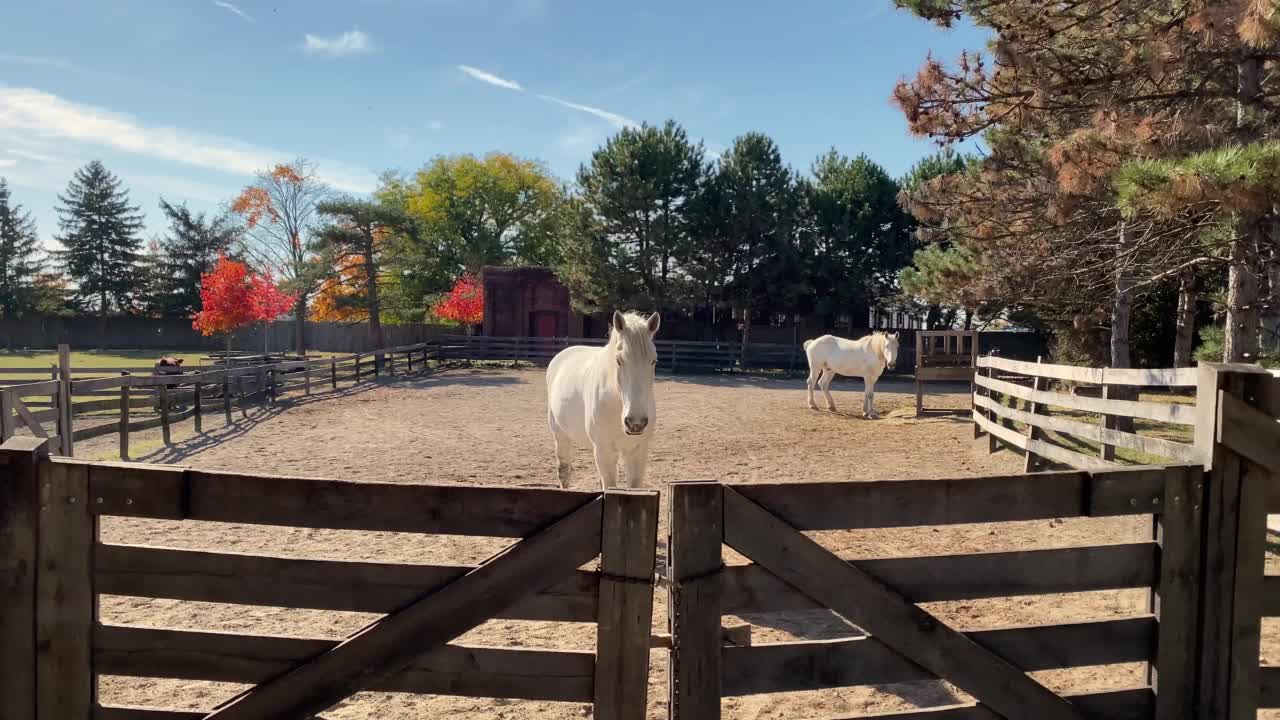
66 605
195 407
164 412
391 364
65 416
333 374
1235 533
1179 533
306 379
19 550
627 553
693 545
226 397
1108 452
1031 461
357 368
125 404
6 415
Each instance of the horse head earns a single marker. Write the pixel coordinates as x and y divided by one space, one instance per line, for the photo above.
636 359
890 349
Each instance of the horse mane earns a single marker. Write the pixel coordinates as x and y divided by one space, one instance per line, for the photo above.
636 325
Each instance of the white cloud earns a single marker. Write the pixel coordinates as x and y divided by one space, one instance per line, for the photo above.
618 121
7 163
42 115
229 7
56 63
490 78
28 155
351 42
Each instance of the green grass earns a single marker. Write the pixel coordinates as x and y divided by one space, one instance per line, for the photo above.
41 360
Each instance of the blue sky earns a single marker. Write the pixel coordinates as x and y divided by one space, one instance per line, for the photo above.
183 99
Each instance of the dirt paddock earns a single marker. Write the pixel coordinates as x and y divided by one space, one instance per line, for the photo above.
488 427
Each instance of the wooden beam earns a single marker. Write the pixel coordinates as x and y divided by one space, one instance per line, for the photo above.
1249 432
20 460
883 612
1177 601
627 555
694 544
32 423
391 643
1163 412
345 585
66 420
66 604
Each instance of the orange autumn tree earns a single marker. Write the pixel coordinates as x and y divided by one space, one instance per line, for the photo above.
464 304
232 296
339 297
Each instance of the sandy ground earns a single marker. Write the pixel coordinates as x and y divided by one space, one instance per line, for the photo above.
488 427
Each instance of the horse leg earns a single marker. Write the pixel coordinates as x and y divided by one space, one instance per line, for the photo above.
606 464
827 376
869 399
564 450
811 383
635 463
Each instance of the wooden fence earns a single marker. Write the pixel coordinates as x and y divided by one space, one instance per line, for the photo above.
1028 406
106 405
55 568
1204 568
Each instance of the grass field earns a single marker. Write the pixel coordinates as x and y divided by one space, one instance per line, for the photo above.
42 359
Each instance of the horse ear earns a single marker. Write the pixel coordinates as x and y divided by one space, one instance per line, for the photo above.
894 336
655 321
619 323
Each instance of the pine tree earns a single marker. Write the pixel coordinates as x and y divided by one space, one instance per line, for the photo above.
358 245
99 231
177 260
18 250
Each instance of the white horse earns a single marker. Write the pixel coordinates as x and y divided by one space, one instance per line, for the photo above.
603 397
830 356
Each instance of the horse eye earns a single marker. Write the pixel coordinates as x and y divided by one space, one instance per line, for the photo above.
619 362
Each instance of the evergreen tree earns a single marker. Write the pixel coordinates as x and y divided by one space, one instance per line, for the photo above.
642 187
99 234
18 250
359 243
174 263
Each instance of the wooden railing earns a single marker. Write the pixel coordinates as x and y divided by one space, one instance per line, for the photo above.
106 405
1021 403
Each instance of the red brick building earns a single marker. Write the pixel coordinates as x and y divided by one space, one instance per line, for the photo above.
529 302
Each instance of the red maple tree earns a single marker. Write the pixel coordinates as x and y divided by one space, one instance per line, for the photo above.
464 304
233 296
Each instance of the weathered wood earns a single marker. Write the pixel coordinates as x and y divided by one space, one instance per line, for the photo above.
1030 460
1249 432
1269 695
881 611
1128 704
333 370
627 553
906 503
7 421
86 387
30 420
66 420
226 400
750 588
66 606
242 579
124 421
393 641
818 664
1271 596
1181 452
1177 601
696 533
1172 377
20 459
164 415
525 673
173 493
1163 412
196 409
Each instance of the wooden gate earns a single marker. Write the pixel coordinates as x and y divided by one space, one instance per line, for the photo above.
54 569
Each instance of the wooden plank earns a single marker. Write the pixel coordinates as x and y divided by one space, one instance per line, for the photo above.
31 421
1128 704
1181 452
66 606
1248 431
881 611
1135 490
627 555
243 579
66 420
1269 695
46 387
819 664
996 430
1163 412
392 642
1172 377
1271 596
165 492
124 421
20 459
1177 601
694 544
750 588
524 673
906 503
7 421
84 387
1068 457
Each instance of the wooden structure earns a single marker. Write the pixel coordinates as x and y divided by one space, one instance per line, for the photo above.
1204 566
1012 391
49 409
54 646
944 356
529 301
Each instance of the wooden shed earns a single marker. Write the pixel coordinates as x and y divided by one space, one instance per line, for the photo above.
528 302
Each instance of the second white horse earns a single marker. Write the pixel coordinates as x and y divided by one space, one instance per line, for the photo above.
865 357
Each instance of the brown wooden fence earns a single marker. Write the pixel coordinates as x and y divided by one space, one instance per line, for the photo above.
55 568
